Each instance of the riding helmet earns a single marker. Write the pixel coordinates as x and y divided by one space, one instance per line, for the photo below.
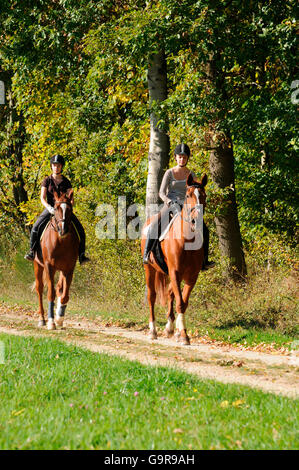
57 159
182 149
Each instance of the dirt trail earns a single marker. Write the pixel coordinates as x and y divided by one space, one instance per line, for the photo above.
275 372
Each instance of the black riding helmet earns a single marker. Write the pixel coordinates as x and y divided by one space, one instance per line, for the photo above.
57 159
182 149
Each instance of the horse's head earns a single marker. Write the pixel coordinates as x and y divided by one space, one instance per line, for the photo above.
63 212
195 200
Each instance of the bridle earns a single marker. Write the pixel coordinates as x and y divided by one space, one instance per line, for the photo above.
197 207
57 221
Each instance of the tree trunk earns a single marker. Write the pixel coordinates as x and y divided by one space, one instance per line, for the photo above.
223 174
226 219
158 157
15 140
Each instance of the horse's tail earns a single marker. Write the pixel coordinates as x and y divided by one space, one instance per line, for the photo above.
161 287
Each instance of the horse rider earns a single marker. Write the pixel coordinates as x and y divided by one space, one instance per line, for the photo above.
59 183
172 192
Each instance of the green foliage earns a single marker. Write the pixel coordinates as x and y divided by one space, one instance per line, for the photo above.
79 79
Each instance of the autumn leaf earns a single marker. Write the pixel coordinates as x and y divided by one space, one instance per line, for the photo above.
238 403
224 404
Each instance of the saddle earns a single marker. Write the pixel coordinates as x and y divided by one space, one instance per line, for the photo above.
43 231
159 257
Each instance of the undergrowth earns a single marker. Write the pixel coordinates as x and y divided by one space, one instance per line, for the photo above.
262 309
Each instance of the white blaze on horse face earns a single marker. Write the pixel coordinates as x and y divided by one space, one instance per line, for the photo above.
198 224
63 208
197 209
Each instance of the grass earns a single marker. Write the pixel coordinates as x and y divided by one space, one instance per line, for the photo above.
56 396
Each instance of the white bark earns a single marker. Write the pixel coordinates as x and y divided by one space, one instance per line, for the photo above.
158 156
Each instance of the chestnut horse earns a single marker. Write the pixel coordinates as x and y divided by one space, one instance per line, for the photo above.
58 252
183 254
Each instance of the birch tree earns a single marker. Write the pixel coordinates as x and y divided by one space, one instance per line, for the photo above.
158 156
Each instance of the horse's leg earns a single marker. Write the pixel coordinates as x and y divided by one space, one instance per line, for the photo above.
181 334
60 309
51 296
150 274
169 329
39 286
184 338
187 291
66 280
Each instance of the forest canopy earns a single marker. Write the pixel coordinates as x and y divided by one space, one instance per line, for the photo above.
75 76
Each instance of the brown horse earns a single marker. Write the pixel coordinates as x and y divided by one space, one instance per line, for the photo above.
58 252
183 254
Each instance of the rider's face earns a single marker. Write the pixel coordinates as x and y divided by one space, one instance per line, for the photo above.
56 168
181 159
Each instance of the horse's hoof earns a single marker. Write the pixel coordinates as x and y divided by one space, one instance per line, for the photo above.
59 321
51 325
169 333
177 336
185 341
153 335
41 323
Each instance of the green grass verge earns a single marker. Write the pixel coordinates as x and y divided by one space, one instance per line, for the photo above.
56 396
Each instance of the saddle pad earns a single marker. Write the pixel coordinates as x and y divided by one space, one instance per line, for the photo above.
41 237
163 235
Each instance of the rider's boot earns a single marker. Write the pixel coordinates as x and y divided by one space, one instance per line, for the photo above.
206 241
207 265
148 247
83 259
30 255
33 242
82 240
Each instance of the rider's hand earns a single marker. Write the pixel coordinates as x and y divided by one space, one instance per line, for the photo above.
51 209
